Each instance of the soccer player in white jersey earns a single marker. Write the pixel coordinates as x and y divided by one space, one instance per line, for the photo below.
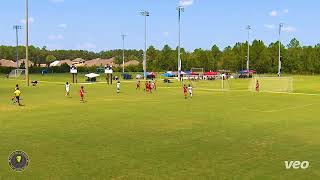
67 89
118 87
190 90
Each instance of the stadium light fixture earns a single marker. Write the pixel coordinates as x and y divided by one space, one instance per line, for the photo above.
180 9
280 63
145 14
123 39
248 52
16 28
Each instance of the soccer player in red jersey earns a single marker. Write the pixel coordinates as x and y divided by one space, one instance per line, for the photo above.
185 91
257 86
147 86
82 94
150 87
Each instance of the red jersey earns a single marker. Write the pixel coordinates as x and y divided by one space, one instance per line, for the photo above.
81 92
257 86
185 89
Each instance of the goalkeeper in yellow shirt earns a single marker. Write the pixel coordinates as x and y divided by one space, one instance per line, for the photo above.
16 98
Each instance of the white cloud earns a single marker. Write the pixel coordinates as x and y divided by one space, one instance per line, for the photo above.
63 26
270 26
273 13
31 20
56 1
56 37
166 34
286 11
289 29
87 46
186 2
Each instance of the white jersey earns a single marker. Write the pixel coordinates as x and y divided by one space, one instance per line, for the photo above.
67 87
190 89
118 85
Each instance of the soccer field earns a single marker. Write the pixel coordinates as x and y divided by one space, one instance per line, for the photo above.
234 134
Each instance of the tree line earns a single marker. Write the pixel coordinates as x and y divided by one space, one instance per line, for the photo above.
263 58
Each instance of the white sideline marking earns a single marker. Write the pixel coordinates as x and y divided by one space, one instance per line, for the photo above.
307 94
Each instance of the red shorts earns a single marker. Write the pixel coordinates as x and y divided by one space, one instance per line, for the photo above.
81 95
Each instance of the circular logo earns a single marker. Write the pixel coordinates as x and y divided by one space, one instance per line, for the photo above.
18 160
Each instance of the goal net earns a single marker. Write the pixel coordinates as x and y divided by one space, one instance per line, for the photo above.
272 84
16 73
199 71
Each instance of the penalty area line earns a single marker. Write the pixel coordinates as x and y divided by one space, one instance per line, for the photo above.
281 109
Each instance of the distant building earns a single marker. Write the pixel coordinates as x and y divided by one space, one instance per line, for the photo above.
24 61
99 62
59 63
78 62
132 63
10 63
7 63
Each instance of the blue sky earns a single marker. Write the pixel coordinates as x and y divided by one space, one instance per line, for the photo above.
97 24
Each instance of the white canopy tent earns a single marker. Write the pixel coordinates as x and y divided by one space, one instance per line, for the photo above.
92 75
54 63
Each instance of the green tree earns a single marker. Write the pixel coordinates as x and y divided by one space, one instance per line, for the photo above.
50 59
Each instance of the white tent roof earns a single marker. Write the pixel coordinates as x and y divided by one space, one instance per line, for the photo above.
92 75
55 63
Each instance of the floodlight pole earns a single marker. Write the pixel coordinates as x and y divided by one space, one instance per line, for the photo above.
145 14
123 38
180 9
16 28
280 63
27 43
248 53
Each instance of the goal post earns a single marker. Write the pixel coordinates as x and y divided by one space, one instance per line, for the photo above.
198 71
272 84
15 73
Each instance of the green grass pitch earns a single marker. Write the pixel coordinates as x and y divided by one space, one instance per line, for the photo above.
216 135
